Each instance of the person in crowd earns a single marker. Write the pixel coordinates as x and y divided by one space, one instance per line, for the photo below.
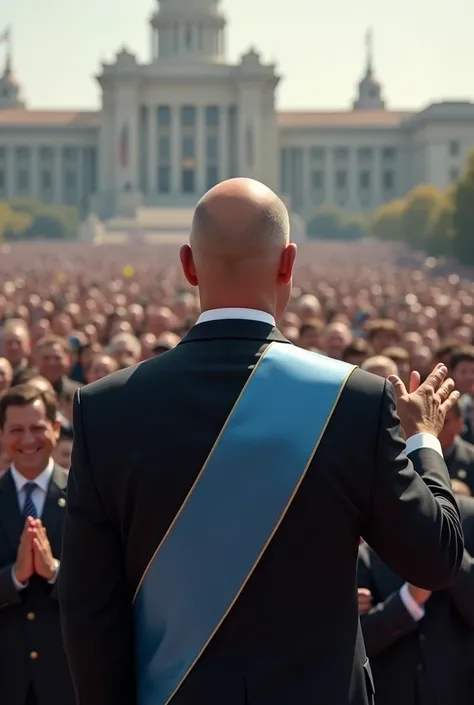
101 366
33 668
420 642
164 343
357 352
462 366
401 358
310 334
335 340
6 374
15 345
458 454
62 452
126 349
52 356
380 365
382 334
286 635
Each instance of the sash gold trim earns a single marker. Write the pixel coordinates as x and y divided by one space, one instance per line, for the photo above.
277 526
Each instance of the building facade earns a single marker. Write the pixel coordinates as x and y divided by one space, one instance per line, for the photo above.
171 128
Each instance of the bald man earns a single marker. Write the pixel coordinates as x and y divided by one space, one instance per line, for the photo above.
218 492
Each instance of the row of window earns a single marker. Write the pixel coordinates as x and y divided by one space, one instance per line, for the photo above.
46 154
188 116
341 179
188 179
343 153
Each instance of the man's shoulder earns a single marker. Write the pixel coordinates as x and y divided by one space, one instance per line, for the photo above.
129 378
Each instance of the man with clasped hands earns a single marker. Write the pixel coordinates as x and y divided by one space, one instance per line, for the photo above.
292 634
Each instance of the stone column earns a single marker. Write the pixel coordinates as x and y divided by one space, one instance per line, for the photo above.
152 149
223 143
176 151
201 156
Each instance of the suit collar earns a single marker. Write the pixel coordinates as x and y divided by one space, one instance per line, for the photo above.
234 328
245 314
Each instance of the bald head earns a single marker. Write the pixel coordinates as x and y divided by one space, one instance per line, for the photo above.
239 219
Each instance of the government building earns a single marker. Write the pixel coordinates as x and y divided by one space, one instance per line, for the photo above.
171 128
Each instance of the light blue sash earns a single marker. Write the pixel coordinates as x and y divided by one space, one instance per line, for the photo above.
231 513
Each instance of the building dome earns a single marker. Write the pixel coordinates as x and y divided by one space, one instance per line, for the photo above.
10 88
370 89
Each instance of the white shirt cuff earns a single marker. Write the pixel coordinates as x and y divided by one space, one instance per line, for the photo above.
423 440
19 586
415 610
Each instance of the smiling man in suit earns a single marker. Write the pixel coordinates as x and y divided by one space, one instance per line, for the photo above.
33 668
243 463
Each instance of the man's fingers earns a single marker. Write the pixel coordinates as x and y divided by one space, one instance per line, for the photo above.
436 378
364 592
450 401
445 390
399 387
415 381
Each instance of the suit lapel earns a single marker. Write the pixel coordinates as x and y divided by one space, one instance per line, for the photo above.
11 521
55 501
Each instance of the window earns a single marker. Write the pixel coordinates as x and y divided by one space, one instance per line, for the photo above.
164 115
341 178
188 116
388 180
317 180
23 180
318 153
70 154
454 149
164 179
341 153
46 154
164 149
187 181
364 179
22 153
212 148
2 180
188 147
365 154
70 180
212 176
388 153
212 116
46 180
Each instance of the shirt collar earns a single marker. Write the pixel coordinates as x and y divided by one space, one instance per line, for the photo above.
246 314
42 480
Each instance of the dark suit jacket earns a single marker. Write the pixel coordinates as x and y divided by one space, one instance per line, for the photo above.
430 662
293 636
29 619
460 462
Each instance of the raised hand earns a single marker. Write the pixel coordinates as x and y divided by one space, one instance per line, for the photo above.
24 565
423 409
44 563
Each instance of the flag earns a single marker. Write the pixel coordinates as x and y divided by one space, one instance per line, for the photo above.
5 36
124 147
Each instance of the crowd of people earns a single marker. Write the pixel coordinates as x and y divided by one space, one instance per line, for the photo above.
73 313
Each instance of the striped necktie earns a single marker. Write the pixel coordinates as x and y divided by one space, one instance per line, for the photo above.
29 508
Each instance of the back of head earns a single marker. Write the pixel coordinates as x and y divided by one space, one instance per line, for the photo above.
239 253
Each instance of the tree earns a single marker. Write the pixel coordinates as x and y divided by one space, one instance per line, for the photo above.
12 223
422 209
387 221
53 223
463 216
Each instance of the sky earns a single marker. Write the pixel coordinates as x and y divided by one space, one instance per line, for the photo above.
423 48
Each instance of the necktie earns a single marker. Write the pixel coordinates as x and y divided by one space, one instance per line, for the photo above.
29 508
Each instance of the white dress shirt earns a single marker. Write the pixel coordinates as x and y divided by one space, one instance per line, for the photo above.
38 497
416 442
